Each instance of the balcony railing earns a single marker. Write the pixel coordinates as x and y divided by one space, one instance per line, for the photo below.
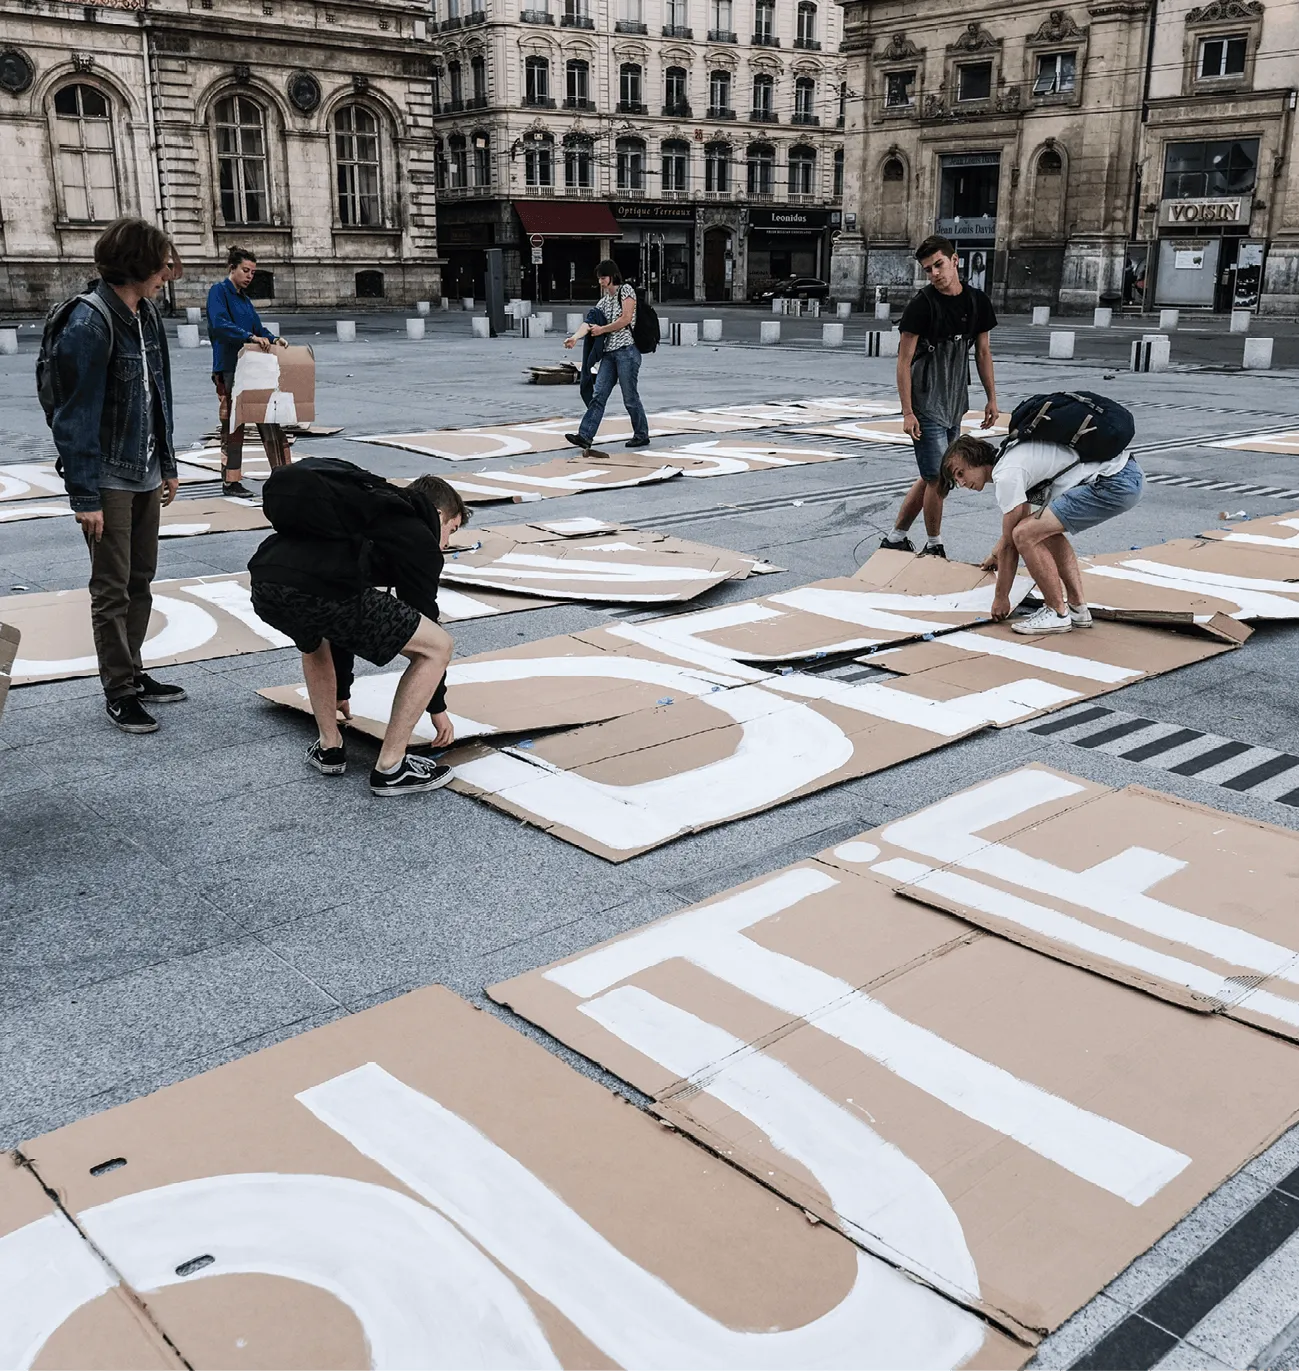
454 106
630 26
476 102
538 102
677 109
764 116
808 44
475 17
453 23
804 118
631 192
576 21
720 112
579 102
722 36
631 107
765 40
536 17
677 31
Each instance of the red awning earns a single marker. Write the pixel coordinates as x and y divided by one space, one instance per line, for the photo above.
567 218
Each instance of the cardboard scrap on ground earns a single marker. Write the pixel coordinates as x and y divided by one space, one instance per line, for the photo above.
418 1185
889 429
623 566
191 518
1270 532
1047 670
10 637
731 456
1186 902
39 480
277 386
564 476
1286 443
1008 1128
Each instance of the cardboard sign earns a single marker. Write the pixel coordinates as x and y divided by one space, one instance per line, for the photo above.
39 480
277 386
889 430
10 637
420 1186
1008 1128
1188 903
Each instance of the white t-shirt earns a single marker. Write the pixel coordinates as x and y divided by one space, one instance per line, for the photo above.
1029 467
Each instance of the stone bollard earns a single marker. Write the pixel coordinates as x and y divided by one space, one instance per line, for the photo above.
1258 354
1102 316
422 307
883 342
187 335
1151 353
414 328
467 303
843 309
193 315
665 328
1041 316
532 326
778 306
712 330
444 302
482 326
770 331
1061 345
547 317
832 335
272 326
523 309
9 342
685 335
883 310
572 322
1240 320
346 330
1168 319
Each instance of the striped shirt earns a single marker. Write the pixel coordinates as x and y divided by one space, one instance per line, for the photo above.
611 308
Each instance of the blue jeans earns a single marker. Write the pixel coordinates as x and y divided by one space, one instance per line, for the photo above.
931 447
621 365
1089 504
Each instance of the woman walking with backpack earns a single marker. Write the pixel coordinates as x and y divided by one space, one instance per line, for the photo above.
621 361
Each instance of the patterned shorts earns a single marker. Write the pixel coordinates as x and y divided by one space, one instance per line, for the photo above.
372 624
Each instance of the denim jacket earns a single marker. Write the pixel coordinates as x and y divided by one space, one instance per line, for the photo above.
99 418
232 321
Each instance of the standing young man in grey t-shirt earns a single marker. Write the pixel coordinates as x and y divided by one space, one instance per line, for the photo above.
938 328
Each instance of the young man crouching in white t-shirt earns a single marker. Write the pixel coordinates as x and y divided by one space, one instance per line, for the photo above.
1045 494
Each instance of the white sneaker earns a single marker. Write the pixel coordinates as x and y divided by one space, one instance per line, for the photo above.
1081 616
1045 620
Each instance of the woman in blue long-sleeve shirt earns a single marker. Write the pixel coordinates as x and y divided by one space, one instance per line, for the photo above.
233 322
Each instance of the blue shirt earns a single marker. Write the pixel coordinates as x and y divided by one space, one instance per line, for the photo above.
232 321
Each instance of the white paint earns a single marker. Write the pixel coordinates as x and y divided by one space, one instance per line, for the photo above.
887 610
856 851
678 637
281 408
186 627
946 832
183 530
1250 596
632 1316
256 370
583 479
577 526
1258 539
580 578
1084 668
710 937
423 1293
30 511
47 1272
235 599
455 606
20 479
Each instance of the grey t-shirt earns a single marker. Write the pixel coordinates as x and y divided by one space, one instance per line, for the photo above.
940 378
152 477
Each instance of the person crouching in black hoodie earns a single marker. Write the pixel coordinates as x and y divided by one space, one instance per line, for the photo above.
342 532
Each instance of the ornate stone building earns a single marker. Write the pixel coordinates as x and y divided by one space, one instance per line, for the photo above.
698 142
1127 151
301 129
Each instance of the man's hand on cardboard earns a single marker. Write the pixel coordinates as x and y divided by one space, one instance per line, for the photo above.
1000 607
264 344
446 733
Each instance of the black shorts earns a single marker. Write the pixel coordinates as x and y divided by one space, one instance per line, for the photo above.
372 624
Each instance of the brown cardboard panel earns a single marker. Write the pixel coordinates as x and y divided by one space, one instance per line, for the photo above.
889 429
41 1252
1046 670
560 477
39 481
1185 902
275 387
1005 1126
732 456
419 1184
1286 442
180 519
1269 532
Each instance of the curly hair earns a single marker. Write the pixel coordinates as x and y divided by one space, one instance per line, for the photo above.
131 250
972 451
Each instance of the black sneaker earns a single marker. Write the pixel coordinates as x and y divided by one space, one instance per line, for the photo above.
637 442
413 775
903 544
329 761
151 692
131 716
237 490
577 440
934 550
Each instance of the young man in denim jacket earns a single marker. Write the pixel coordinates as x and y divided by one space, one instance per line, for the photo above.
112 427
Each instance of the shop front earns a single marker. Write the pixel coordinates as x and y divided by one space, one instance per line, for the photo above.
561 244
657 247
968 185
787 241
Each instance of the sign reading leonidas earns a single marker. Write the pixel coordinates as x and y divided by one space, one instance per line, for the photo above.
421 1186
1006 1127
275 387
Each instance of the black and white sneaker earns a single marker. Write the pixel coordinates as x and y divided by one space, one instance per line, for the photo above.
329 761
131 716
413 774
236 490
151 692
902 544
934 550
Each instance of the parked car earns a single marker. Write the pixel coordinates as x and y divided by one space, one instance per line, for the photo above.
794 288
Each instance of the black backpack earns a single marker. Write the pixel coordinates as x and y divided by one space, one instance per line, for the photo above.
321 497
645 330
1096 428
55 322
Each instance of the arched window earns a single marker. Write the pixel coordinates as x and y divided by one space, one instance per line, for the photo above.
84 132
478 70
761 169
482 158
838 174
719 95
894 170
577 77
805 101
676 165
631 96
676 100
456 86
805 37
802 170
539 160
630 154
1050 163
577 161
241 161
440 163
717 167
356 144
536 88
457 161
764 98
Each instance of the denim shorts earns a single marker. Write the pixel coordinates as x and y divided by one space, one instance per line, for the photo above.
1087 505
931 447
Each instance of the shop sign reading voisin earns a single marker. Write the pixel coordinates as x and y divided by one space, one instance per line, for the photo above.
1228 209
